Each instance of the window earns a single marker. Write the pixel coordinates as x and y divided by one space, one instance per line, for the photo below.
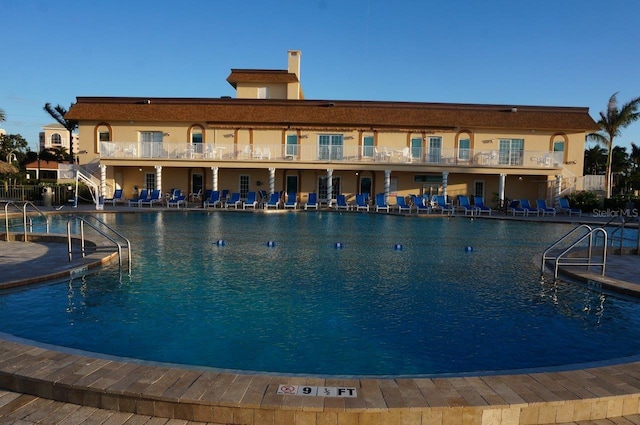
150 181
322 187
244 185
151 143
330 146
558 152
464 149
56 139
196 140
365 185
416 148
291 184
292 146
263 92
435 149
511 152
367 147
478 188
104 136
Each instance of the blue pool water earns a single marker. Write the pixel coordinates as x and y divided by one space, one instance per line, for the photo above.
303 306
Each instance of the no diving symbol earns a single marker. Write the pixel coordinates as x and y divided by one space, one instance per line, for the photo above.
287 389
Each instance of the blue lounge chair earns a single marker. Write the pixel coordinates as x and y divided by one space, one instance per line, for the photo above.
440 204
565 208
176 201
156 197
514 208
292 201
224 195
361 202
273 202
341 203
251 201
481 208
213 200
464 205
117 198
544 209
381 204
312 202
141 196
421 204
234 201
401 204
524 203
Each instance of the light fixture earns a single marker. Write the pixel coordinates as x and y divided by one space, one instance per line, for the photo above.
304 136
514 109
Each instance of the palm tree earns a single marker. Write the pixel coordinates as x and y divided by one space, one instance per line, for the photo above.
58 114
1 115
611 124
594 160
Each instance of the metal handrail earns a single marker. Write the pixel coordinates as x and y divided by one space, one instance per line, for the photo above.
84 220
24 217
589 262
563 238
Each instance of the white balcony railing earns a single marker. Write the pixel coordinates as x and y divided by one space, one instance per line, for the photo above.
328 154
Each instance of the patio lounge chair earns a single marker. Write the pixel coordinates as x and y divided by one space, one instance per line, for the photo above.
464 205
524 203
156 197
544 209
224 195
213 200
481 208
440 204
381 204
514 208
292 201
421 203
177 201
565 208
234 201
273 202
252 201
361 202
341 203
402 205
117 198
141 196
312 202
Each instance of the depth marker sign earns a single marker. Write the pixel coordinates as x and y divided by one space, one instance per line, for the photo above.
317 391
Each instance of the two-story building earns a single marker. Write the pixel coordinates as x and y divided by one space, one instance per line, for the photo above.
271 138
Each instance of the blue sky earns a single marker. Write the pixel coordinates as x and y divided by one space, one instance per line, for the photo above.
542 52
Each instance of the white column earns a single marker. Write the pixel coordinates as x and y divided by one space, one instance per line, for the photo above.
272 180
214 178
329 184
445 182
501 183
387 184
103 180
558 187
159 177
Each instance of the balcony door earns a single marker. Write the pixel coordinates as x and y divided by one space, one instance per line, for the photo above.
151 144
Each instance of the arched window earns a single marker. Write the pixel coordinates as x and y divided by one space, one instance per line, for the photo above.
56 139
196 138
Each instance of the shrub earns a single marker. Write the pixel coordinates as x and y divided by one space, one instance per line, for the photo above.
585 200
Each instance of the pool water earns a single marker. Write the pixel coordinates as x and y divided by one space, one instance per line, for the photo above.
305 306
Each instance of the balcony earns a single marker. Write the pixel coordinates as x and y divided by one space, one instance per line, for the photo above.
321 154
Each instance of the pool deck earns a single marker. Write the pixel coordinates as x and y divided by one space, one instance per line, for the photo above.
42 384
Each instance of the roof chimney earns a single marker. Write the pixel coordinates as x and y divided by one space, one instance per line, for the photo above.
294 62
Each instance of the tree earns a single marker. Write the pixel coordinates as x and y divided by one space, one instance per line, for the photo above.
58 114
2 118
595 159
13 144
611 123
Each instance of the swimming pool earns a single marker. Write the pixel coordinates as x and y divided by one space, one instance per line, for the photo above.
303 306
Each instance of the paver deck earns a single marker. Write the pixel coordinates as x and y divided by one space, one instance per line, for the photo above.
49 385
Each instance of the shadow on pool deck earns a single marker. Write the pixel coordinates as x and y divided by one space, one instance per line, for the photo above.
32 373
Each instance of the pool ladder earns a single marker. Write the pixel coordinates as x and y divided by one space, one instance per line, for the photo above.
27 221
105 230
576 242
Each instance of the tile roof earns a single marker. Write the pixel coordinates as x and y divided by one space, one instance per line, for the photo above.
332 113
260 76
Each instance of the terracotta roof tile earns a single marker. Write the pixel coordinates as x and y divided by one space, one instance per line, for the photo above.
332 113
